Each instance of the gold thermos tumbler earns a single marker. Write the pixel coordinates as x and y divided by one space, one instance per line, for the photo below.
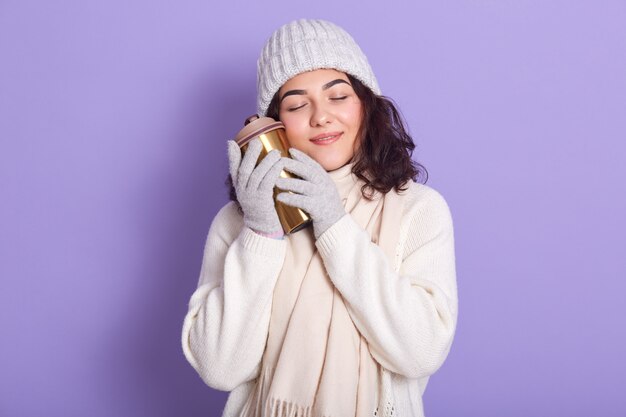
272 136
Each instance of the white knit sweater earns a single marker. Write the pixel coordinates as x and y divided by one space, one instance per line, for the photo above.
407 314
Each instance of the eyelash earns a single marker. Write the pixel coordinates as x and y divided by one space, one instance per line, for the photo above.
334 99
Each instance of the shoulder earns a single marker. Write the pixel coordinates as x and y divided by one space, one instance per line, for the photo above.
426 216
226 224
424 199
229 213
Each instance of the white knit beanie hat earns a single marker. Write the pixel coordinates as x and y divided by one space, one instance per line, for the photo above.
304 45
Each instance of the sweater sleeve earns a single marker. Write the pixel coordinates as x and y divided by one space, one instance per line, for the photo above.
408 318
225 329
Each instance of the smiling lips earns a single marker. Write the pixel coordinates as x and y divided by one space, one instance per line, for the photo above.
326 138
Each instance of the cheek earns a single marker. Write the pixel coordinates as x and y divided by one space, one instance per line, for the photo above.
356 114
351 115
294 127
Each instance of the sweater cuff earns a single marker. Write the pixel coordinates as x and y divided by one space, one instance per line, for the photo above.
335 234
261 245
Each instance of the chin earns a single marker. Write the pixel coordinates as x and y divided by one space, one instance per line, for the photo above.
330 161
332 164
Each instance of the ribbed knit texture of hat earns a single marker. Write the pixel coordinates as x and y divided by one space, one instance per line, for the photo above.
305 45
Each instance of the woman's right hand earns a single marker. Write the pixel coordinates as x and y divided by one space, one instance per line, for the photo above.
255 186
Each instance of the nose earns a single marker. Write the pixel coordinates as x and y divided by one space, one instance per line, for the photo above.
320 116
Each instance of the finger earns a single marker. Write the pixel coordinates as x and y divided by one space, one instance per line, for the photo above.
249 162
316 170
298 168
270 178
302 157
296 185
234 159
295 200
261 170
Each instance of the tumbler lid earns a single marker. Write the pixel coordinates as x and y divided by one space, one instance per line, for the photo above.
255 126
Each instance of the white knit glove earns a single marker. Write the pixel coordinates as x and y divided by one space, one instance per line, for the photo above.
316 192
255 186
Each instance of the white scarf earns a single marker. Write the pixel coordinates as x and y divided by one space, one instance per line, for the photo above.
316 363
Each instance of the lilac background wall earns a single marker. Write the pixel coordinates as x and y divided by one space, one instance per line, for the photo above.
113 118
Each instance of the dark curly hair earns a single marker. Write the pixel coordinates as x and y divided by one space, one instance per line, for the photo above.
383 158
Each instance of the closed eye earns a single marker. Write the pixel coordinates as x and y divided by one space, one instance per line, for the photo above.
339 98
296 108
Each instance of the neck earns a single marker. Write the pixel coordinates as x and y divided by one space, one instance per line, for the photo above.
341 172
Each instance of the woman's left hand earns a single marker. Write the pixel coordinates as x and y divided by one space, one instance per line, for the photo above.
315 192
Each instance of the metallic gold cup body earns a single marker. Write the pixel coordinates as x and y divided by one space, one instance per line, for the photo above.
291 219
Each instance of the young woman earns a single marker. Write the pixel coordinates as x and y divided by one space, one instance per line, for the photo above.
352 316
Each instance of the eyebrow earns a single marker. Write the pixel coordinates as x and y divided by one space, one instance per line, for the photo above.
324 87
